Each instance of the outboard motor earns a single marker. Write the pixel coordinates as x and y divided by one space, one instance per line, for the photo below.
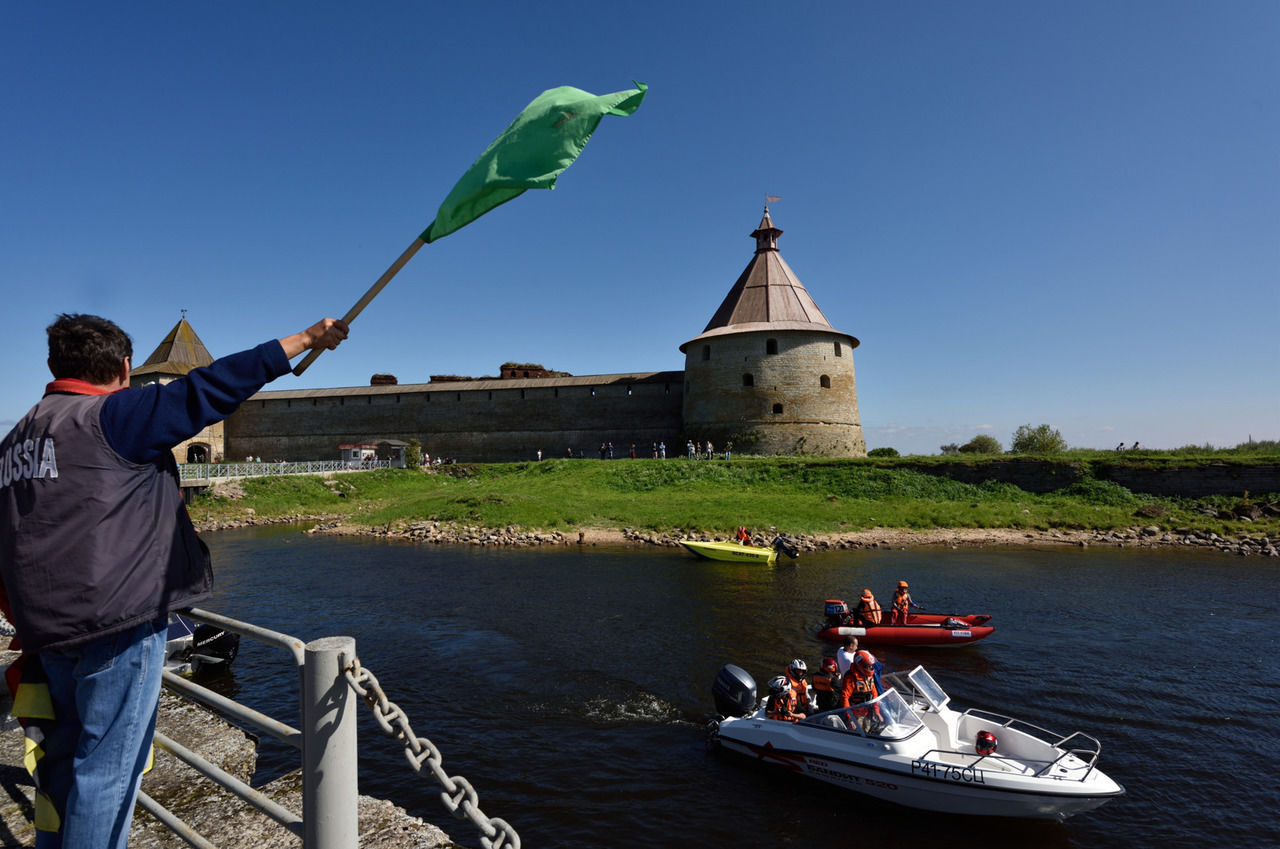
214 645
734 691
785 547
837 612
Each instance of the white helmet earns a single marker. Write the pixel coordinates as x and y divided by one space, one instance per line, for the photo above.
797 668
779 685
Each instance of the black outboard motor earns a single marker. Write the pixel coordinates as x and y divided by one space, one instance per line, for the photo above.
734 691
781 544
214 646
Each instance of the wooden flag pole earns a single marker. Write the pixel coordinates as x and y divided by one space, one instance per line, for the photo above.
364 301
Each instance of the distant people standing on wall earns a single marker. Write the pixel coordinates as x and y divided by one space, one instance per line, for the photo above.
728 450
662 450
655 450
602 450
711 450
633 451
1133 447
1120 447
690 449
539 455
610 450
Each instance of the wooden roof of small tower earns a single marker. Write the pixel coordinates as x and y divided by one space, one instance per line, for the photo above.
767 295
179 353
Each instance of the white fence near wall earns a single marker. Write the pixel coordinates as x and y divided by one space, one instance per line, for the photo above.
193 472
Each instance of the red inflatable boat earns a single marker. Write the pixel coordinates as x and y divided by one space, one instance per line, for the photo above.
921 629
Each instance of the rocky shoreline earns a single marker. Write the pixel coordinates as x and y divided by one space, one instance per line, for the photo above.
447 533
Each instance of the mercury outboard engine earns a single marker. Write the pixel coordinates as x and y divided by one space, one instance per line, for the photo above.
214 646
734 691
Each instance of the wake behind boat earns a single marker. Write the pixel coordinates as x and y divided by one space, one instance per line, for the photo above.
920 629
910 747
738 552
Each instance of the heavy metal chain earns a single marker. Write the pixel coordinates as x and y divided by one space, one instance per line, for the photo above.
458 795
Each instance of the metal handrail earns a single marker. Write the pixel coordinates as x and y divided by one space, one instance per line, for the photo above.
226 471
327 741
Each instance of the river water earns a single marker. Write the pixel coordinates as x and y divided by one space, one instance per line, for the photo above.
572 686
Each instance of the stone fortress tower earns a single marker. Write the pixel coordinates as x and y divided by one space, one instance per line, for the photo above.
769 372
180 352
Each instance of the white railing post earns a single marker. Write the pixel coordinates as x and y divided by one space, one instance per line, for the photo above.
329 757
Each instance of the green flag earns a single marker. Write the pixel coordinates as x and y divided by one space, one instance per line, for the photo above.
541 142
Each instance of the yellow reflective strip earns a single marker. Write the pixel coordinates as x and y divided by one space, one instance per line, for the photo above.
151 759
47 818
31 755
32 701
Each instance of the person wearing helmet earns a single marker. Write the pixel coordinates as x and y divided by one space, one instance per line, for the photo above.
862 682
825 682
902 604
796 672
985 743
868 613
782 701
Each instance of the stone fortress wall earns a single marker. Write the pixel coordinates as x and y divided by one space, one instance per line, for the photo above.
475 421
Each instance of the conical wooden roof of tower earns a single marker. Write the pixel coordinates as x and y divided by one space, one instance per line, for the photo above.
767 295
179 353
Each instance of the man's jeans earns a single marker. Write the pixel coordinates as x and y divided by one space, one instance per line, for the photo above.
105 695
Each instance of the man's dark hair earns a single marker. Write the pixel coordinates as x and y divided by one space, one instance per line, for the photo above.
88 348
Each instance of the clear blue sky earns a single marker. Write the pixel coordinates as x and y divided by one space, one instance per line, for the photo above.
1028 213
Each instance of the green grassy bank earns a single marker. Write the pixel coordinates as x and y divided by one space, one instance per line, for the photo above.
799 496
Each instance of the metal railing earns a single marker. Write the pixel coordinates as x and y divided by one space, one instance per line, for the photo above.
223 471
332 678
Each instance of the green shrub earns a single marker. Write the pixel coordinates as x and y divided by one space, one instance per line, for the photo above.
883 452
1037 440
981 444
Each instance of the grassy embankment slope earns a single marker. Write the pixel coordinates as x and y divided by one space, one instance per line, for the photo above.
795 495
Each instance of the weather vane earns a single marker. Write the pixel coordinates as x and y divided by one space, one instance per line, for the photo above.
768 199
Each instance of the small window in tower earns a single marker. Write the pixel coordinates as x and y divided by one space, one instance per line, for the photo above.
777 409
771 346
490 396
457 396
521 394
748 380
839 351
593 392
706 352
628 390
825 380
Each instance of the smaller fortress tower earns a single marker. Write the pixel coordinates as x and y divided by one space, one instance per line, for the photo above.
769 372
180 352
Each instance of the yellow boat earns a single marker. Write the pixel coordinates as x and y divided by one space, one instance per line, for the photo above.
736 552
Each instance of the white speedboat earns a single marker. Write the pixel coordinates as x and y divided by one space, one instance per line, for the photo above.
910 747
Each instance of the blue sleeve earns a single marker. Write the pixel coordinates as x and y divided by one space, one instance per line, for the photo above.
142 424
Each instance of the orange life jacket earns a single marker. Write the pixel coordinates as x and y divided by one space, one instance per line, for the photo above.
799 689
869 611
783 707
857 688
901 600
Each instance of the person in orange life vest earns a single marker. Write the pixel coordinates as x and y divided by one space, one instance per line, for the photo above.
868 612
782 701
796 672
743 536
862 682
902 604
825 682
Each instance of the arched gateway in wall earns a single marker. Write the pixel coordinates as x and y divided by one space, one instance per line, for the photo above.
768 372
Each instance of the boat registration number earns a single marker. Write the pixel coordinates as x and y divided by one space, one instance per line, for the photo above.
947 772
962 633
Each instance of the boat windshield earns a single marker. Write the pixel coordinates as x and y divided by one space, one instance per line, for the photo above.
928 688
887 716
